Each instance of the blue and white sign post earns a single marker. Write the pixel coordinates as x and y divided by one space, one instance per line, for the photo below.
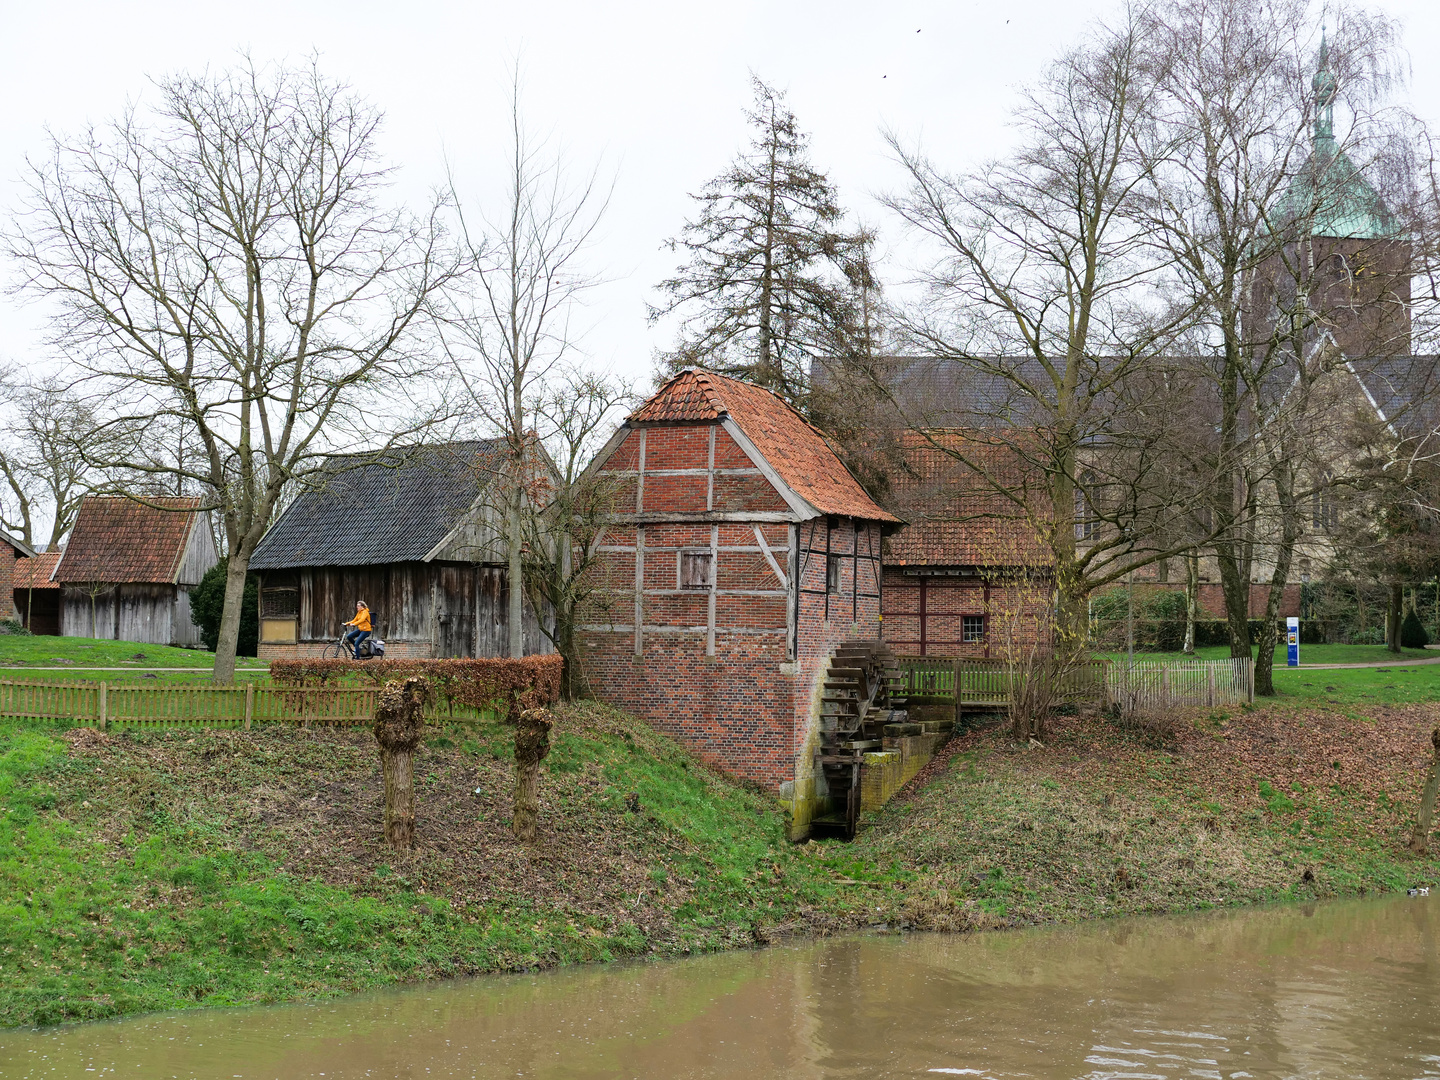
1292 642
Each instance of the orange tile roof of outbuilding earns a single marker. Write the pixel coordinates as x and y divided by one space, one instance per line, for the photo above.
786 440
35 573
955 514
116 539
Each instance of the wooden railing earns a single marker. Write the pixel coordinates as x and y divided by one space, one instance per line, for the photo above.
102 705
1147 685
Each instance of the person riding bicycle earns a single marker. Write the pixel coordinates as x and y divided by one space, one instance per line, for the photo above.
361 624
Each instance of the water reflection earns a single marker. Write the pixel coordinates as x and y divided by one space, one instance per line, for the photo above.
1345 990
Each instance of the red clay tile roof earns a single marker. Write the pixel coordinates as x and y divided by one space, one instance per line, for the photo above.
955 515
117 539
35 573
785 439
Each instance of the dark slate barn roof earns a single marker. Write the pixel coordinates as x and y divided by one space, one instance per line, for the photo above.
394 507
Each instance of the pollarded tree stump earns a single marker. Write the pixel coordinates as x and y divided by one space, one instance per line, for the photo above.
532 743
1420 838
399 727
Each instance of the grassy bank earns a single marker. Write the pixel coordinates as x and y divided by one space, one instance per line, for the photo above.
154 871
1274 803
159 870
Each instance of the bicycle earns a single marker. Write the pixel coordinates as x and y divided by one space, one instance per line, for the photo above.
370 649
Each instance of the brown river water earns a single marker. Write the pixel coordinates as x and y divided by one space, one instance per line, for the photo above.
1346 990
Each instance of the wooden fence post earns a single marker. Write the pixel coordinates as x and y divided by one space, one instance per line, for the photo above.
249 703
103 718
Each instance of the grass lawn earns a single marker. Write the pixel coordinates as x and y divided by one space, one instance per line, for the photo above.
20 656
1309 654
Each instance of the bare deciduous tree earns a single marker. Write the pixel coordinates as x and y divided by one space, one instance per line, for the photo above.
564 534
223 263
508 334
43 463
1042 310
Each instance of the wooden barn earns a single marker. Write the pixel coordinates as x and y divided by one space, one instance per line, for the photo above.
413 534
742 553
37 595
12 549
128 568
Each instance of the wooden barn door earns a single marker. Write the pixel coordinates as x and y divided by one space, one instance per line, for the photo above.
455 611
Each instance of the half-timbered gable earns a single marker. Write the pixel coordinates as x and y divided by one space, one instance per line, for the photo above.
740 554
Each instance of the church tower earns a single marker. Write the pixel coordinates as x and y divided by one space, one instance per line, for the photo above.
1346 268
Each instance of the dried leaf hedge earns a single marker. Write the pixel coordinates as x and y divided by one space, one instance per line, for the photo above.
505 684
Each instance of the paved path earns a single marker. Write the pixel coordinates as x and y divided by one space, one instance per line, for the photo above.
1378 664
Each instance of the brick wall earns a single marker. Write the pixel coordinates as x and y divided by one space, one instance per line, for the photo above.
7 581
925 614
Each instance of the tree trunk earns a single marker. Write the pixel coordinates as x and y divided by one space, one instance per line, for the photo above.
1394 616
1420 838
532 743
1192 600
236 570
1290 531
515 572
399 727
1236 589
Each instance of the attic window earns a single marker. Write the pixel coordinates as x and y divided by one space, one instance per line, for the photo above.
696 569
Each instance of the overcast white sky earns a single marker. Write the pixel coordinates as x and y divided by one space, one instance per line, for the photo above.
652 91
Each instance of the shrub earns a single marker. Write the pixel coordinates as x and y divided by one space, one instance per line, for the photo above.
1412 632
207 605
13 626
505 684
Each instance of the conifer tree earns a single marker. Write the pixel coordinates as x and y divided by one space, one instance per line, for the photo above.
772 277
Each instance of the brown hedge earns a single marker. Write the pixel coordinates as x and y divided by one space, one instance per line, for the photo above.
505 684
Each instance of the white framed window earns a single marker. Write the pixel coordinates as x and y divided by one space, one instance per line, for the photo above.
972 628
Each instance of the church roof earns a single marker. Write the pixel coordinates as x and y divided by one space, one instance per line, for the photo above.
1335 200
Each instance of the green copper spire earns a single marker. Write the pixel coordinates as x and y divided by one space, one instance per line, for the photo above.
1330 195
1325 86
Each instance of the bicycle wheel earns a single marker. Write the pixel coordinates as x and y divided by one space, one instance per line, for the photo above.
334 651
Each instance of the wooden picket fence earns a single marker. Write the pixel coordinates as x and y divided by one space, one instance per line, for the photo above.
1148 686
1139 687
102 705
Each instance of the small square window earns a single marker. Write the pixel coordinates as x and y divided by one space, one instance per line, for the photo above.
972 628
832 573
696 569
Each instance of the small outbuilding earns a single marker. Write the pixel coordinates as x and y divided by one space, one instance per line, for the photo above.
967 575
415 534
128 568
37 596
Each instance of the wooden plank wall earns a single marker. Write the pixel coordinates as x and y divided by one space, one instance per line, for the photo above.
462 609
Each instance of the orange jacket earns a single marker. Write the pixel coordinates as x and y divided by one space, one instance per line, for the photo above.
361 620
